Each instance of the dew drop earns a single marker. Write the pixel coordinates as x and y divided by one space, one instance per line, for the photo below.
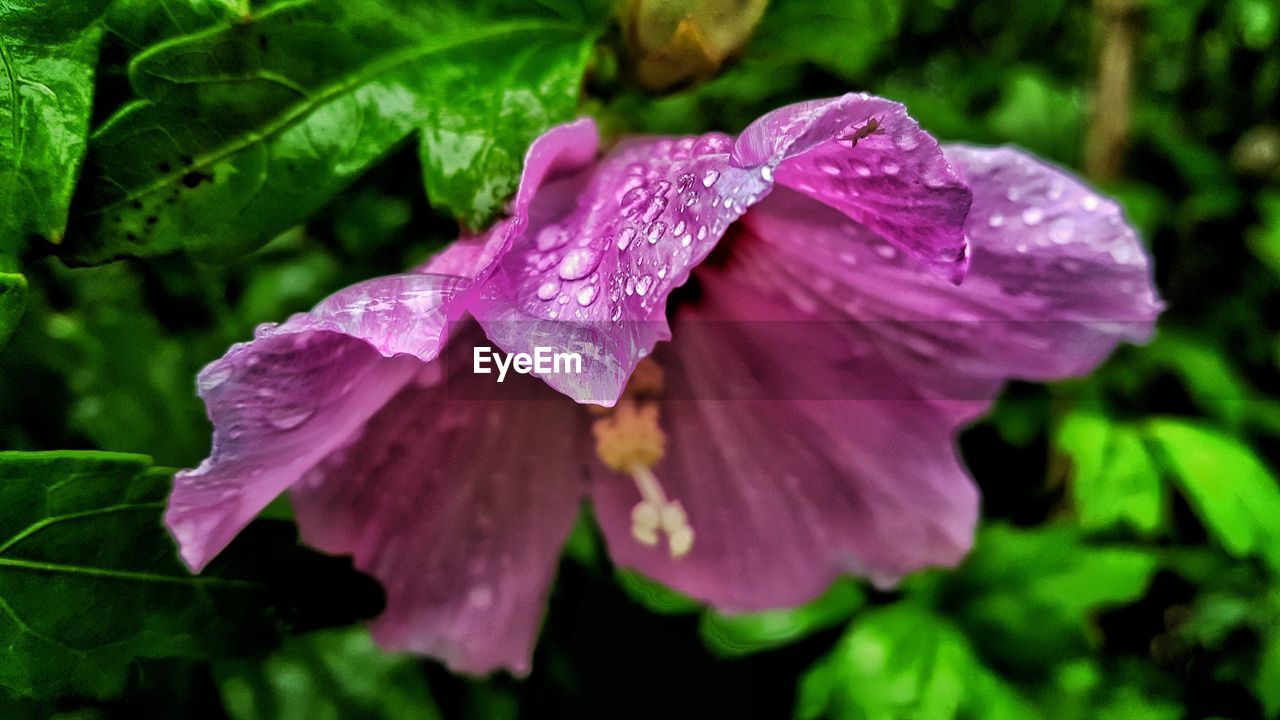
213 377
654 232
995 220
886 251
552 237
1061 230
766 173
548 289
291 419
625 237
710 177
587 295
684 182
579 263
702 232
632 200
890 168
828 167
562 300
643 285
679 228
1090 203
862 170
1032 216
616 315
654 209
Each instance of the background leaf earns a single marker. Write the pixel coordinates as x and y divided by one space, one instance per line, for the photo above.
89 581
327 675
47 66
1232 490
250 122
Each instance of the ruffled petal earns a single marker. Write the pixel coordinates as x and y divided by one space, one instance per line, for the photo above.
459 505
281 403
563 150
604 247
867 158
795 458
1057 280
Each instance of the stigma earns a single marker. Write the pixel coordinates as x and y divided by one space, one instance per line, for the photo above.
630 441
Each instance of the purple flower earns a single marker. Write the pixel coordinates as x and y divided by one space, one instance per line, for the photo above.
800 426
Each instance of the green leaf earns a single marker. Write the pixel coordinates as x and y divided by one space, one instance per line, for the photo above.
1113 479
737 635
326 675
47 61
1028 597
654 595
1039 114
245 130
13 301
1264 238
90 580
906 662
1267 684
1233 492
141 23
840 36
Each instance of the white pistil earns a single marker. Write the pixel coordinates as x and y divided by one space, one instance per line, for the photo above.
656 513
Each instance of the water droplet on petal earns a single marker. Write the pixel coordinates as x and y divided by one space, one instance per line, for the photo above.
625 237
643 285
890 168
888 252
995 220
654 209
1032 215
552 237
766 173
587 295
548 289
702 232
654 232
679 228
632 200
1090 203
828 167
710 177
1061 230
579 263
291 418
213 377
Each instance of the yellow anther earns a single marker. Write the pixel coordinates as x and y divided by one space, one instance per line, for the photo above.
630 437
630 441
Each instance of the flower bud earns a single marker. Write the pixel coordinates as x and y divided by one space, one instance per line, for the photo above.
672 42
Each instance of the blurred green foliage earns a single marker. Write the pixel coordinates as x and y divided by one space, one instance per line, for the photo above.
1129 561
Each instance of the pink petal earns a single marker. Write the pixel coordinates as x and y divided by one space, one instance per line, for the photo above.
787 482
894 181
459 506
1058 279
281 403
603 248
